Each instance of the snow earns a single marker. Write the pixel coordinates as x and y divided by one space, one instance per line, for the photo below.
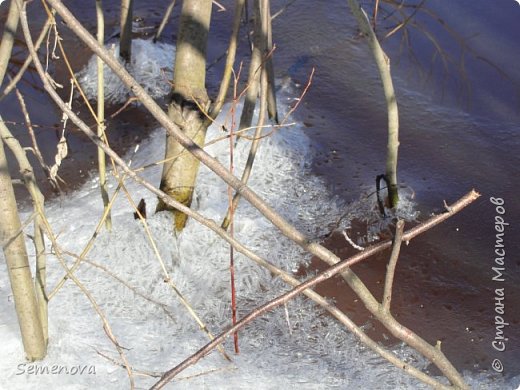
293 347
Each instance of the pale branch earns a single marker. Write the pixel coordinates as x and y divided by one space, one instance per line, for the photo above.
390 272
230 60
100 113
14 81
35 147
6 45
254 144
90 242
164 20
16 233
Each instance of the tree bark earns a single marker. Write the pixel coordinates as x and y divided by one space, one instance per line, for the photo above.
6 46
18 267
383 65
189 105
125 42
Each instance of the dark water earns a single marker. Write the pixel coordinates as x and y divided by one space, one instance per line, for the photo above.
459 130
459 114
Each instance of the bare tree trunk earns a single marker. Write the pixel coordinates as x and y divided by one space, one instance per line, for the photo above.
189 105
8 37
125 42
18 268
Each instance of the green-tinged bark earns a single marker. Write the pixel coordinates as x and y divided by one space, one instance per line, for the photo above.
101 114
383 65
18 268
189 105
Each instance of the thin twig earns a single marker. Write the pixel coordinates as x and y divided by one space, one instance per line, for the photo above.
164 20
230 60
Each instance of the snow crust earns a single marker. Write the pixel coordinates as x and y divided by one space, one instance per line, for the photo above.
151 66
293 347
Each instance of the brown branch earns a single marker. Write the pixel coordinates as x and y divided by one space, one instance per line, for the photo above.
390 272
322 276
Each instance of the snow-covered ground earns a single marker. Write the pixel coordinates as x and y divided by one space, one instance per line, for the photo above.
292 347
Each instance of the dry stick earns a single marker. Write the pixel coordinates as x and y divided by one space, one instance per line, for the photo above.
167 278
254 145
383 65
285 227
250 160
282 10
155 374
269 67
374 15
89 245
231 228
390 272
322 276
25 223
163 306
340 316
405 21
28 60
230 60
293 108
164 20
103 185
106 325
256 138
35 147
136 371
